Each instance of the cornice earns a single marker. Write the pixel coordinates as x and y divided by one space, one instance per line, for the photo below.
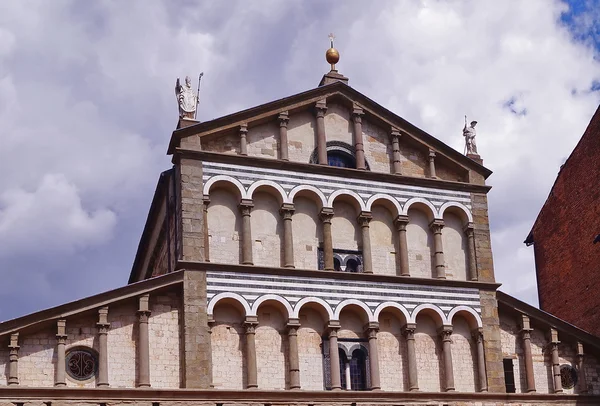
259 162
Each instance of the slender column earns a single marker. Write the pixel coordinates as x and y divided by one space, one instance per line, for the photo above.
251 371
348 374
243 142
321 108
13 359
409 333
143 342
334 358
205 203
446 334
526 335
246 206
553 338
397 165
436 227
61 341
472 261
326 215
211 323
359 148
432 164
478 336
363 220
372 329
284 119
582 382
103 327
294 362
286 211
401 222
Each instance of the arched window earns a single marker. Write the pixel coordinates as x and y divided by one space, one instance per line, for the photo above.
358 370
340 159
352 265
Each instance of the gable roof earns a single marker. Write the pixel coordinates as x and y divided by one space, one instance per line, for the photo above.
337 88
591 130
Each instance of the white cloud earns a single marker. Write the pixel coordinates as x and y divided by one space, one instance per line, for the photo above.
87 103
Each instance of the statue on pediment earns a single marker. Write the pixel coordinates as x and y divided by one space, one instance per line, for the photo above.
469 134
186 98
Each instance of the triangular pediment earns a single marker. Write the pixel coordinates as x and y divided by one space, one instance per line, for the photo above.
261 125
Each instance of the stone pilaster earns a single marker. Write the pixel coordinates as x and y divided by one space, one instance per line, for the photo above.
143 341
61 341
472 260
246 206
357 114
284 119
440 268
13 359
364 218
243 141
494 366
251 367
372 329
103 327
446 335
321 109
326 215
396 163
286 211
205 204
432 174
294 360
553 339
408 331
196 333
334 357
582 382
481 375
401 222
191 210
481 235
528 358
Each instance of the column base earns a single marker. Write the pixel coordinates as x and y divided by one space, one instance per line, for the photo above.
253 387
414 390
531 391
450 390
247 263
60 385
143 385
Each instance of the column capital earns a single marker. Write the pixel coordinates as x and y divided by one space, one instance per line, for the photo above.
103 315
246 206
332 328
14 341
326 214
477 334
469 228
357 113
553 336
432 154
286 210
206 200
211 323
436 225
283 118
250 327
395 133
372 325
579 348
243 129
61 333
292 326
408 330
364 218
321 108
445 332
401 222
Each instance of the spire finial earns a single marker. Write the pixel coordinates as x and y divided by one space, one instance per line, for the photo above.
332 55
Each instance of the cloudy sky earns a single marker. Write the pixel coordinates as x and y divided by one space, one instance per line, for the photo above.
87 108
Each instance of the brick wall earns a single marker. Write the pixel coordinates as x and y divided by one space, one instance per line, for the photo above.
566 260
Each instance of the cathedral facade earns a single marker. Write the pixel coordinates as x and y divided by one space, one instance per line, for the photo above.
317 249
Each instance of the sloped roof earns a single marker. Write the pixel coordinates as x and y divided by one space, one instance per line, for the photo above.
308 97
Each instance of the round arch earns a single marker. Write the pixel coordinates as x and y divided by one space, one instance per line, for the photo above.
227 179
425 202
461 207
312 299
472 314
358 303
275 298
227 295
268 183
394 305
310 188
442 317
346 192
387 198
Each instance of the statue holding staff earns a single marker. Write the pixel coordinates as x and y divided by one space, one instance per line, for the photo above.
186 99
469 134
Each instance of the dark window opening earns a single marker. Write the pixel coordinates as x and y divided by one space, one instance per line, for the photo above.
337 265
340 159
352 265
509 375
343 361
358 370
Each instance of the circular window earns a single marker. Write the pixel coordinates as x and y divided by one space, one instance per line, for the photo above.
568 376
82 363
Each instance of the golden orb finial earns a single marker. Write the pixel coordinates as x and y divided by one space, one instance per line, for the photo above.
332 55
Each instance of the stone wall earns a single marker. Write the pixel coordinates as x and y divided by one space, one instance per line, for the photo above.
307 231
512 348
309 349
224 226
262 140
464 354
344 226
122 359
227 343
454 242
271 349
338 126
82 331
165 363
267 230
420 245
301 136
429 355
392 354
383 241
37 358
378 148
3 364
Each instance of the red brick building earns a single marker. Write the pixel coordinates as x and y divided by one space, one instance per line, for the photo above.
566 257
